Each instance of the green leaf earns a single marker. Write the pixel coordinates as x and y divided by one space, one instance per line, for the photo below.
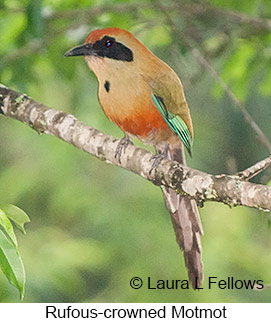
17 215
11 27
11 264
265 87
7 227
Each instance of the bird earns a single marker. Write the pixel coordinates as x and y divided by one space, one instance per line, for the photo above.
144 97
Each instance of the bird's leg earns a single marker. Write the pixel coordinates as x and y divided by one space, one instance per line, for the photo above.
122 145
159 157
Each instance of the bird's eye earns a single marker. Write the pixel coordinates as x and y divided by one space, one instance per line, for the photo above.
109 43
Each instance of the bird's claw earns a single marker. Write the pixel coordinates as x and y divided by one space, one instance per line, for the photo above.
157 160
122 145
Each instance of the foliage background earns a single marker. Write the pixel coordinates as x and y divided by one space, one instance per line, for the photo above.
95 226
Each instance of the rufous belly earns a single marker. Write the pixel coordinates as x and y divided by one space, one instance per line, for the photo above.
144 122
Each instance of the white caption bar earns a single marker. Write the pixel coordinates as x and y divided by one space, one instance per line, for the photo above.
98 312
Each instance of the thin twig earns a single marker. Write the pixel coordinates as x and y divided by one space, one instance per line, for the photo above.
203 11
203 61
260 135
198 10
254 170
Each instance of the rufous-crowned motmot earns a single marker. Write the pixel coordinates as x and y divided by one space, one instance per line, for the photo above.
144 97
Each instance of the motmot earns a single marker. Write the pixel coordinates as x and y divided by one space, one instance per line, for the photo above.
142 95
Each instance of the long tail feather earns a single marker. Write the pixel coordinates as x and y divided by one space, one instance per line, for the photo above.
187 224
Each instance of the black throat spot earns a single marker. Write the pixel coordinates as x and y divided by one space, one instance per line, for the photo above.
107 86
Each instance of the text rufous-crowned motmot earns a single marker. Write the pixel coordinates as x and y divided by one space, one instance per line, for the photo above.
145 98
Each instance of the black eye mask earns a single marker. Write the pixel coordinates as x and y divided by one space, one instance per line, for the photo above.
109 47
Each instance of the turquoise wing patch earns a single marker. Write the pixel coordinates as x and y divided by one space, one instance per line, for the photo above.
176 123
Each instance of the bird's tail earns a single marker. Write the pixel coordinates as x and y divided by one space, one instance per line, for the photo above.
186 222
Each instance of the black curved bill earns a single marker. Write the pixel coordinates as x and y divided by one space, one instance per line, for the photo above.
81 50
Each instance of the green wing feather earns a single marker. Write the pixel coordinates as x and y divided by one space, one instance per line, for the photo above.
175 122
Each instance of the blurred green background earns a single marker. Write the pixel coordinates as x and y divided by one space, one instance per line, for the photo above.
95 226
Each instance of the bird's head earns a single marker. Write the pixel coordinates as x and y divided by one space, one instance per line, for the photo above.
111 49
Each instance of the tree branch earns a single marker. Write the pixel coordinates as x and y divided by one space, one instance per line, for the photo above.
198 11
254 170
230 190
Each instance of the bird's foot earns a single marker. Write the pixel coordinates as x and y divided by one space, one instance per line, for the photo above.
122 145
161 154
157 160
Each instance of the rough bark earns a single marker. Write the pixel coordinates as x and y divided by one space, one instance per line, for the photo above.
231 190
